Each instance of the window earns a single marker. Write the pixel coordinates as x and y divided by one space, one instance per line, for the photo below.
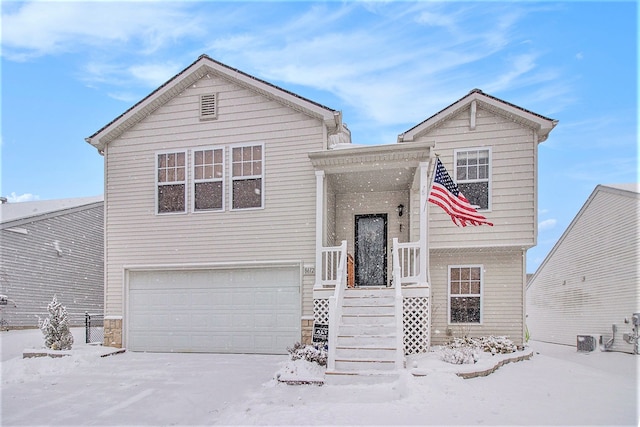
171 182
208 106
247 182
465 294
208 179
472 176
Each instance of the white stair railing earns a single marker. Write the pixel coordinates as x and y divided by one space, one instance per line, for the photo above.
408 261
331 257
336 300
397 283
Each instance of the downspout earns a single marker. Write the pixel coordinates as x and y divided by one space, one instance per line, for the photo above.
524 298
105 275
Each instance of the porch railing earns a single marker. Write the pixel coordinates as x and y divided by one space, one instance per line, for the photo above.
408 255
334 254
397 283
331 257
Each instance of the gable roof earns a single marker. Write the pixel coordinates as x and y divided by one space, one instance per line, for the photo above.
622 190
204 66
12 213
543 124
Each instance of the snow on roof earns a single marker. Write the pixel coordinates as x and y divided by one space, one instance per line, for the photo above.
22 210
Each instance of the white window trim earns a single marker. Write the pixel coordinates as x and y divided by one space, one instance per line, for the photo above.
489 178
185 182
194 181
449 267
232 179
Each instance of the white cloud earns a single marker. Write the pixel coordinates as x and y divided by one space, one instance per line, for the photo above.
136 76
547 224
394 63
154 74
26 197
128 97
42 28
396 71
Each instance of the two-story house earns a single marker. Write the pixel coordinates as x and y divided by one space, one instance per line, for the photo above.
238 214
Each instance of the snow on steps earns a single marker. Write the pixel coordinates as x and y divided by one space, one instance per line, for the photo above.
367 337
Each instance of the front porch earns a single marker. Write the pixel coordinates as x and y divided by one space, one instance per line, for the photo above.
372 289
372 329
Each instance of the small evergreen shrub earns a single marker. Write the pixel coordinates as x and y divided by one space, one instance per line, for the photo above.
310 353
55 328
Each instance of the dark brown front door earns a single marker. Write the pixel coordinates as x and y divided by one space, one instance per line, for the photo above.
371 250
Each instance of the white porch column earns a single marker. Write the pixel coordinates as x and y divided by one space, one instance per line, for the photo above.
424 221
319 225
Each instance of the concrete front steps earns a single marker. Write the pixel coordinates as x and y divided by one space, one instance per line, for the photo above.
367 337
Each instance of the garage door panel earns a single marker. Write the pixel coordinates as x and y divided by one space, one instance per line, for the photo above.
264 299
287 297
265 320
248 310
282 320
242 299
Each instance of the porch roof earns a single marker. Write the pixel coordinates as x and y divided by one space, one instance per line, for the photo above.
389 167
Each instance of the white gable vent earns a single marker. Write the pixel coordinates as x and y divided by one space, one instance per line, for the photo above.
208 106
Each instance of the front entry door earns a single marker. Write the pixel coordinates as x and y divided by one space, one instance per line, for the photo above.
371 250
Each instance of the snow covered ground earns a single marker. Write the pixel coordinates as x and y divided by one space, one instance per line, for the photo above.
556 386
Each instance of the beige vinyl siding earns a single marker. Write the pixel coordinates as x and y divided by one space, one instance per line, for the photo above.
512 205
502 296
279 232
590 280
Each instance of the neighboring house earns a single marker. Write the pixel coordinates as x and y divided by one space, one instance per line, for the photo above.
47 248
234 203
590 280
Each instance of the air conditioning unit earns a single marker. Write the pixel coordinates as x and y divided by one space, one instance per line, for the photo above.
586 343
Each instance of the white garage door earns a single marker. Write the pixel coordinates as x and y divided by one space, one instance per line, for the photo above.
240 310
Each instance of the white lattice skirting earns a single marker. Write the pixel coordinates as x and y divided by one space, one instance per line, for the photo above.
415 321
321 311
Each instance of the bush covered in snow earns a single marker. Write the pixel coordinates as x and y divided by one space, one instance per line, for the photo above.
55 328
460 355
310 353
467 350
497 345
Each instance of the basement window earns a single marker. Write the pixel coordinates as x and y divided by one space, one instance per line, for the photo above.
465 294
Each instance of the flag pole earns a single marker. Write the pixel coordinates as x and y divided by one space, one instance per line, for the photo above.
431 174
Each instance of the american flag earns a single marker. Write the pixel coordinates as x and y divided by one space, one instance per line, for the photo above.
444 193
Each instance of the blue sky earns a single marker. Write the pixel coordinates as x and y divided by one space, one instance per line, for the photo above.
68 68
